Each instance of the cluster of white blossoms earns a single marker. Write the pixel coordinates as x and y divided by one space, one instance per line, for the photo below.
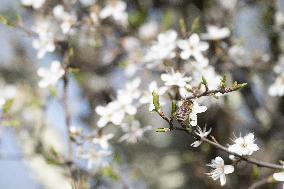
120 111
277 88
243 146
67 19
49 77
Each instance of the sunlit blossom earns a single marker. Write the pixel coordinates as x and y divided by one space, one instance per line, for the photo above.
50 76
192 47
175 79
244 145
220 170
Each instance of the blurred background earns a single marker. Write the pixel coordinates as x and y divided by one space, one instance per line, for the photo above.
36 125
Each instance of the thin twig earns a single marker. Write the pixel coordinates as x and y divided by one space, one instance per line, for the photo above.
261 182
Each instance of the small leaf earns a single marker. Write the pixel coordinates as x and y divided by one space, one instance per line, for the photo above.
163 130
109 172
156 101
182 26
8 105
196 27
223 82
174 108
10 123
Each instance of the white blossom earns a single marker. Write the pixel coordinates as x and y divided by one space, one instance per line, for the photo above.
196 109
175 79
148 30
192 47
277 88
163 49
45 41
147 98
215 33
50 76
67 19
111 113
220 170
202 134
244 145
97 158
279 177
115 9
102 140
36 4
133 131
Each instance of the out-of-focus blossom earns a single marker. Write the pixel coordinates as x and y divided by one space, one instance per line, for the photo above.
45 41
147 98
50 76
36 4
127 96
114 112
111 113
202 134
115 9
7 92
102 140
87 2
175 79
131 88
192 47
196 109
215 33
279 18
279 177
163 49
277 88
67 19
148 30
220 170
97 158
244 145
208 72
133 131
228 4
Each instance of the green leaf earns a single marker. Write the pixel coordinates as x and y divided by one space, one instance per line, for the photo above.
168 19
137 18
204 81
163 130
174 108
8 105
109 172
196 26
10 123
182 25
156 101
223 82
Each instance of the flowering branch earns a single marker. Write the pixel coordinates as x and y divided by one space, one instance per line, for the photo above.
222 90
219 146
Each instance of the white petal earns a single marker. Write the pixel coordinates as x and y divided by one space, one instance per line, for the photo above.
279 176
223 179
228 169
196 143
